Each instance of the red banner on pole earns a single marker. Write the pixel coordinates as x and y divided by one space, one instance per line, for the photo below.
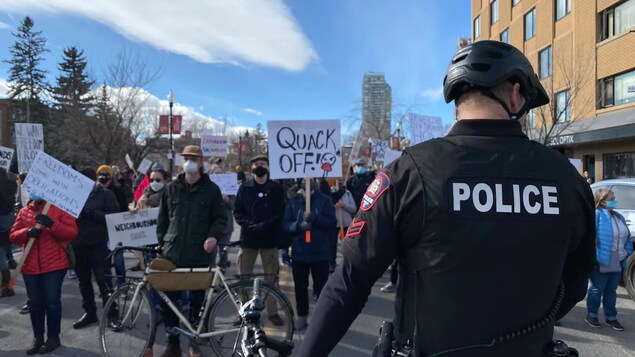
164 121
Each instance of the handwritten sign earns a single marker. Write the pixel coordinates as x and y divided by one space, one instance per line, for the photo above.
214 145
133 229
304 148
57 183
379 149
29 140
424 128
228 183
6 155
144 166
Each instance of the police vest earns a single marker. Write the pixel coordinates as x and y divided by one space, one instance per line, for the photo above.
498 225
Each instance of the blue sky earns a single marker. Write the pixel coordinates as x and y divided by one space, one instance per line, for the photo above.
255 60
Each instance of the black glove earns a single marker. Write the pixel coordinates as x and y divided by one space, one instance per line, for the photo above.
33 232
257 227
304 226
44 220
309 217
12 264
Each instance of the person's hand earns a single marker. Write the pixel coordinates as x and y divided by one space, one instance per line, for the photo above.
210 244
339 204
12 264
304 226
134 210
33 232
309 217
44 220
225 198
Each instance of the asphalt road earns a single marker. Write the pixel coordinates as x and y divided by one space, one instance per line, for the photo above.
15 329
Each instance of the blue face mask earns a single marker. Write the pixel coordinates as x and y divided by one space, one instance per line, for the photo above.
361 170
611 204
35 197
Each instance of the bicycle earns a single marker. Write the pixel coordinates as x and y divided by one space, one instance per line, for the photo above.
132 326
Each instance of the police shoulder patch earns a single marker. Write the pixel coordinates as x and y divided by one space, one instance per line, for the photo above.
375 190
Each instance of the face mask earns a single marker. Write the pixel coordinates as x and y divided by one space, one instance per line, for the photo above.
611 204
260 171
361 170
35 197
156 186
103 178
190 167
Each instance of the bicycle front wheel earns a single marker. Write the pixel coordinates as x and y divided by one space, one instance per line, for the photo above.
128 325
276 318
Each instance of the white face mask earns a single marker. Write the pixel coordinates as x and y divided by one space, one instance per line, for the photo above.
156 186
190 167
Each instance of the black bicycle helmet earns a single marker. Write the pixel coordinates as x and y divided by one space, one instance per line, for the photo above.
486 64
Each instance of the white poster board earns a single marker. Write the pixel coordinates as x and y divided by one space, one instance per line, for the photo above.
423 128
391 155
6 155
144 166
129 162
228 183
178 160
214 145
133 229
58 184
304 148
379 149
29 140
24 195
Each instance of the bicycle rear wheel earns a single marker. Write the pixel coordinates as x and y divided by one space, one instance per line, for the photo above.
128 325
224 315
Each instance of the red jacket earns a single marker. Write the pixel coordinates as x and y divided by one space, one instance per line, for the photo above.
141 188
45 255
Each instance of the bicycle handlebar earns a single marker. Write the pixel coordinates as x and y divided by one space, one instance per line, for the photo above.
147 249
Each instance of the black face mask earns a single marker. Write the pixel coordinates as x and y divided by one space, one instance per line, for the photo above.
103 178
260 171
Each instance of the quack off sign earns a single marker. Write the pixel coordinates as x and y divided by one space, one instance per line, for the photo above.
304 148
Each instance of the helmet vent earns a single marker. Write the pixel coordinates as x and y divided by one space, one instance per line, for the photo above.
481 67
460 58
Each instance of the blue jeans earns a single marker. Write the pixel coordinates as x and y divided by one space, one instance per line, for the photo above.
603 289
45 293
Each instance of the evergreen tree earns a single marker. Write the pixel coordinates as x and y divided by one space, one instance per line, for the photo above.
26 79
72 92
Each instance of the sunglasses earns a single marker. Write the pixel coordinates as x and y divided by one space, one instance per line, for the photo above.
156 180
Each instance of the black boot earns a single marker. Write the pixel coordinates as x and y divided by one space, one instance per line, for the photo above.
38 342
52 343
85 320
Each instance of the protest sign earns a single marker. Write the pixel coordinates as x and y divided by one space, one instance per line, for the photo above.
306 148
29 139
178 160
214 145
58 184
228 183
423 128
379 149
577 163
129 161
391 155
133 229
144 166
6 154
24 195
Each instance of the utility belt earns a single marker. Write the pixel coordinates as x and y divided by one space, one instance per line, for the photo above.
387 347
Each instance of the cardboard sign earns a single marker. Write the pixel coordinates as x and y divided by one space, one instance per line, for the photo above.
144 166
29 140
133 229
214 145
228 183
58 184
424 128
6 155
304 148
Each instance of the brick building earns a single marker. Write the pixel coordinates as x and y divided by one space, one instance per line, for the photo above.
584 53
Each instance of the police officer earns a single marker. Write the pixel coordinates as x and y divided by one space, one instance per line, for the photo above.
488 227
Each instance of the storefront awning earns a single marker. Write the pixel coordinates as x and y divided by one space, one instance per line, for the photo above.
610 126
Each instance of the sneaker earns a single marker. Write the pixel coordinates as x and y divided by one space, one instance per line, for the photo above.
557 323
6 292
388 288
301 323
616 325
276 320
71 274
26 308
593 321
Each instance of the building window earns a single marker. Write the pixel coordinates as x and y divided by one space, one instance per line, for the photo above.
515 2
563 107
530 24
618 90
493 10
618 19
505 35
545 63
531 118
477 27
563 8
619 165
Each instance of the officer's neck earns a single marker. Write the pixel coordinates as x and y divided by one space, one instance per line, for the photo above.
481 111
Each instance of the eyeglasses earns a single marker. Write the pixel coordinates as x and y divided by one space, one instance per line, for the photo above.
156 180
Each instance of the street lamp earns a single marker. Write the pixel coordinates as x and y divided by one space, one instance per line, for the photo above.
171 101
399 135
240 151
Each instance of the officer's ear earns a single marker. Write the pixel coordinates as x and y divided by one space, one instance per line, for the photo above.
515 99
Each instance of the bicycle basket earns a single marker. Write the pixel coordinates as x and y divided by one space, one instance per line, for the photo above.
163 279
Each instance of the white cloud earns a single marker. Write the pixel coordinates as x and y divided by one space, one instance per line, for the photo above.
434 94
252 111
262 32
4 25
3 88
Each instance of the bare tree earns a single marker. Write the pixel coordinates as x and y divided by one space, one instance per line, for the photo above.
566 107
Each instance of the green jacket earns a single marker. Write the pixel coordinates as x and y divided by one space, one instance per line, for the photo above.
187 217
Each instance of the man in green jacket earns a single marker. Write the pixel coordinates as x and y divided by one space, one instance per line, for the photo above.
191 216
